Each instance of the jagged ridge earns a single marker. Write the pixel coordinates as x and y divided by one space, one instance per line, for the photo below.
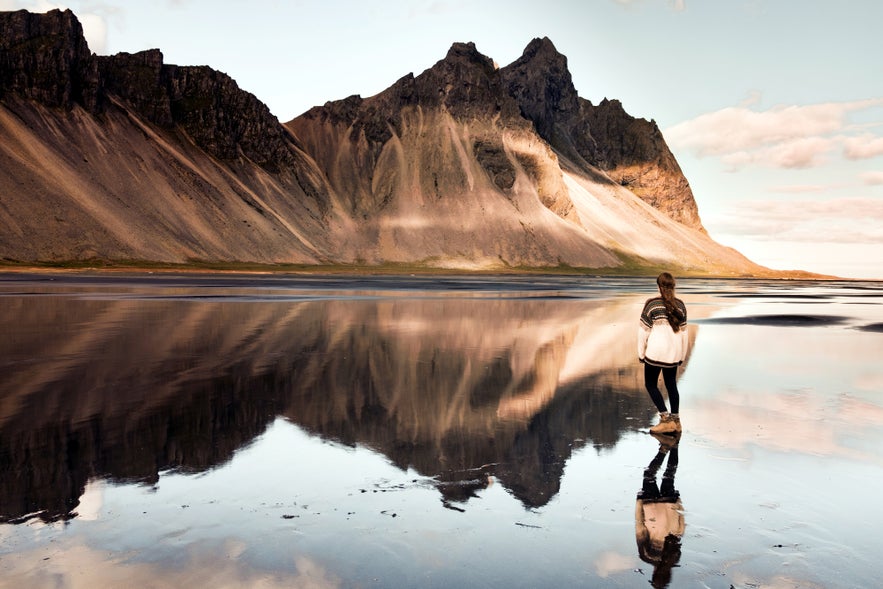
629 151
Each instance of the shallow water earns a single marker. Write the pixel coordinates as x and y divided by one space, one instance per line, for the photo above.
412 431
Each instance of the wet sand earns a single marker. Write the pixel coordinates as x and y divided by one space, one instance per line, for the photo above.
432 431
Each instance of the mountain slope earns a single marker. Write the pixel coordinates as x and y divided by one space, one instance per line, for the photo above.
463 166
118 188
441 169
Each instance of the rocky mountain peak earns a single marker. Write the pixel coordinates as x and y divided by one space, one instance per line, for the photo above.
45 57
543 53
542 85
467 83
466 53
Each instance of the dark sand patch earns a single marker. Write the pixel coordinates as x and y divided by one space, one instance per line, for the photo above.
873 327
778 320
779 297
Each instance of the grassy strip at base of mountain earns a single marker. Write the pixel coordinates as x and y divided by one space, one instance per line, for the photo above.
630 267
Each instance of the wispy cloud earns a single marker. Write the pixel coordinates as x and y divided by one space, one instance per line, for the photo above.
95 31
803 152
780 137
800 188
843 220
872 178
863 147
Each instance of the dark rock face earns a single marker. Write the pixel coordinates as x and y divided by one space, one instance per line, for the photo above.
492 157
540 83
138 78
208 105
466 84
44 57
224 120
632 152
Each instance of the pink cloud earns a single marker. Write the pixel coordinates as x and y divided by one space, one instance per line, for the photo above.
796 422
782 137
800 188
872 178
795 153
843 220
863 147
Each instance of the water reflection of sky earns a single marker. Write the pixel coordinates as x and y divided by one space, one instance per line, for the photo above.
405 432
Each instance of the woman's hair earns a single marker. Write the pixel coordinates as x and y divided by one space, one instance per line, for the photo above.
666 283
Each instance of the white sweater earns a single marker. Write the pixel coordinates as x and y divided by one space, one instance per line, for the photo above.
658 343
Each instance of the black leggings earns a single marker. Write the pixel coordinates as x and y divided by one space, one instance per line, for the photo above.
651 381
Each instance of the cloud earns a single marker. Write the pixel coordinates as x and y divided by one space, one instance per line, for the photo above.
796 422
804 152
95 31
843 220
223 564
863 147
780 137
872 178
609 563
800 188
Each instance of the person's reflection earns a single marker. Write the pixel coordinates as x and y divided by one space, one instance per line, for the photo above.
659 517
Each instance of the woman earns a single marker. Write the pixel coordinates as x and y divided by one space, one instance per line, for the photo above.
662 347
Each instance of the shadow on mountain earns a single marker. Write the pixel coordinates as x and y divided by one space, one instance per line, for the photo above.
465 391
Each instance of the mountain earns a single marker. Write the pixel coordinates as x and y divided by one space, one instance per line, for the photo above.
466 165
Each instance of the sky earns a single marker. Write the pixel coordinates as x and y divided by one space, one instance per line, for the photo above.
773 108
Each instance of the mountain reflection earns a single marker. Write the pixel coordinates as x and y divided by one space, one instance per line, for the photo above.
465 390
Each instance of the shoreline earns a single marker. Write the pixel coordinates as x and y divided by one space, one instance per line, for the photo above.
245 268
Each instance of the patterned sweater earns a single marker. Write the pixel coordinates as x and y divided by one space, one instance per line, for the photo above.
658 344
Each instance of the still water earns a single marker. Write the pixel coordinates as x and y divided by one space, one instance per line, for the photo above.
286 431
